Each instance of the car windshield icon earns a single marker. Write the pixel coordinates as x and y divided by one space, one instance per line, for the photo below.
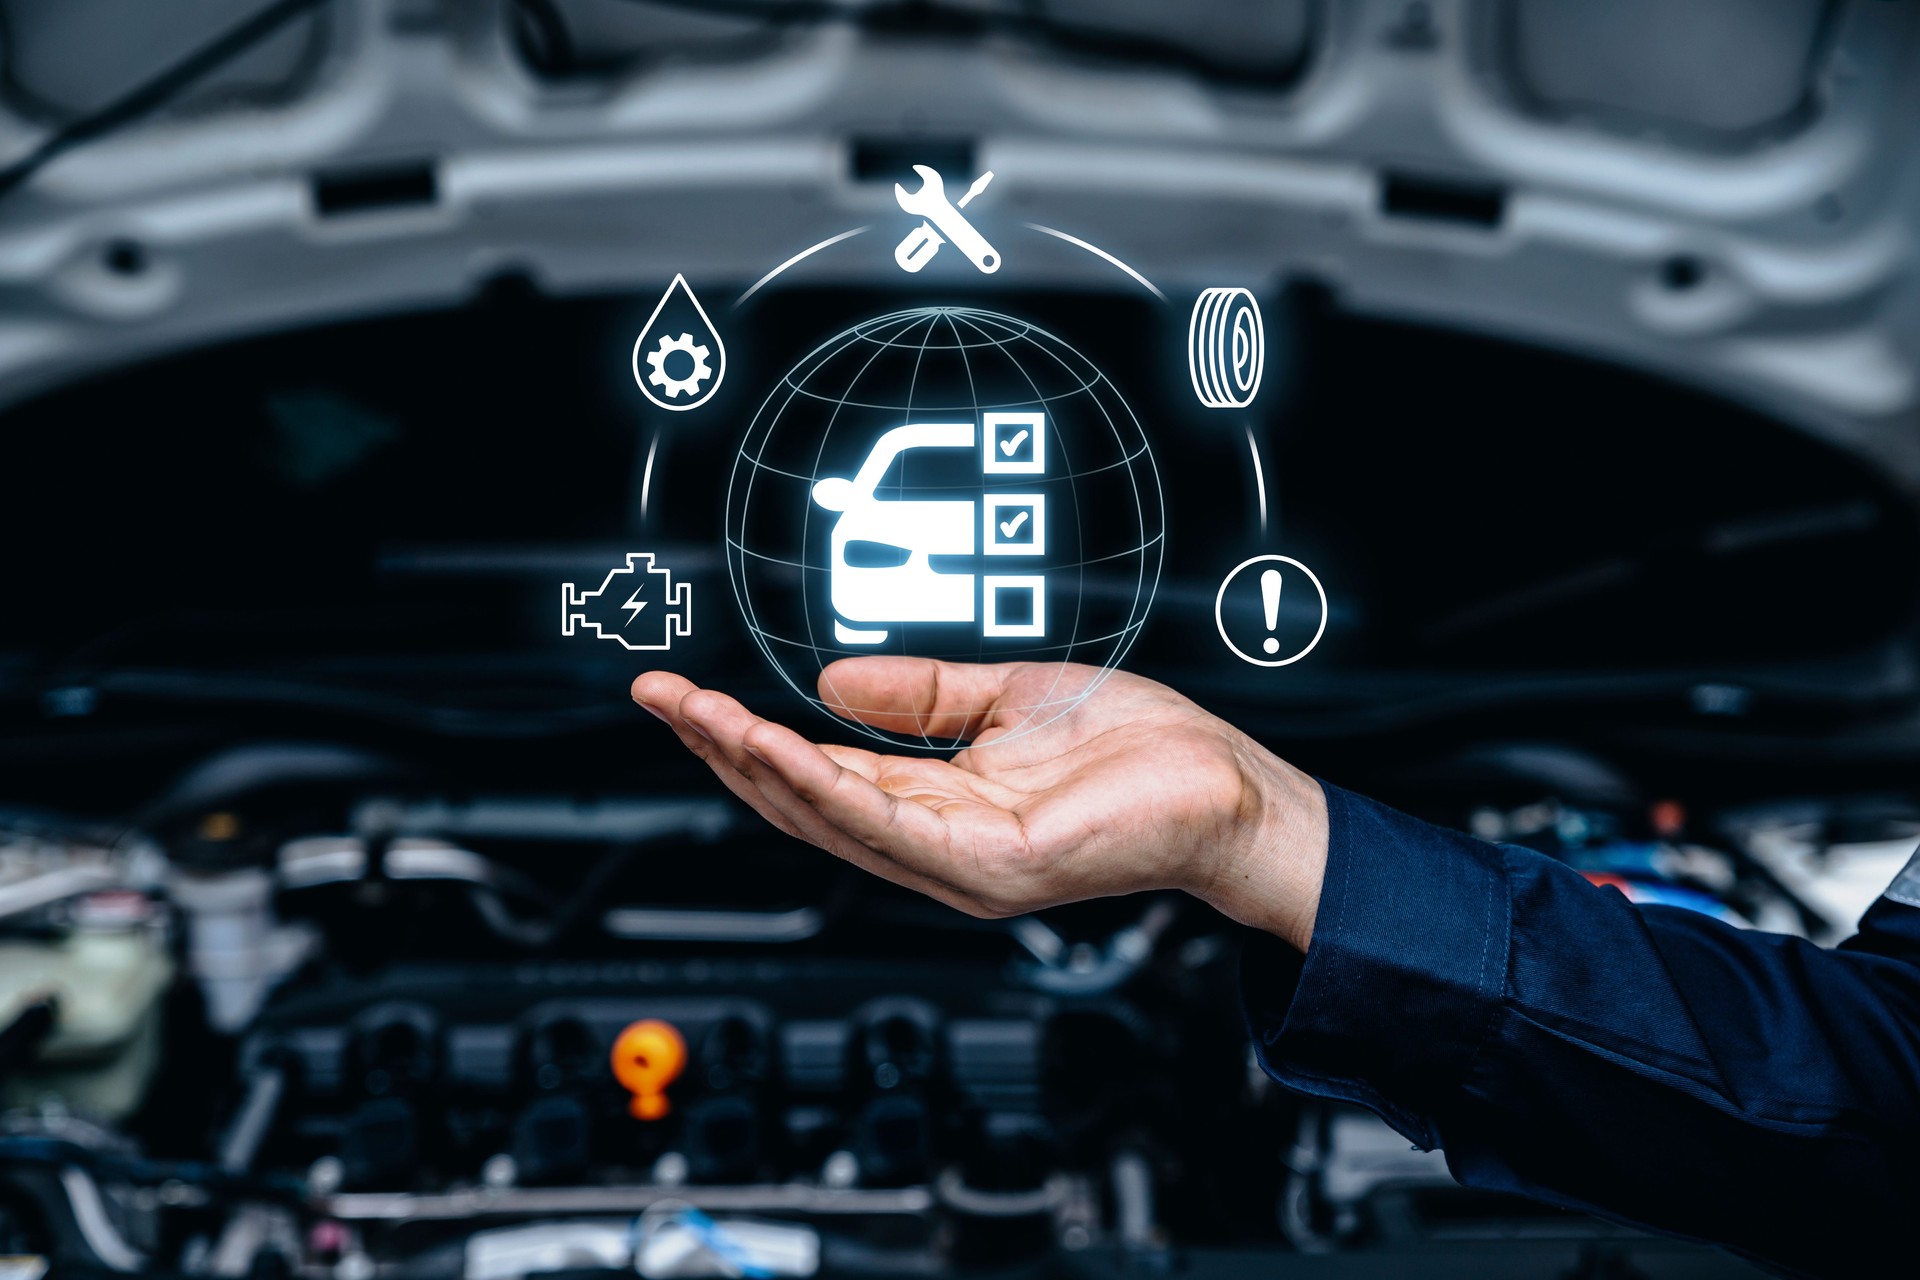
882 548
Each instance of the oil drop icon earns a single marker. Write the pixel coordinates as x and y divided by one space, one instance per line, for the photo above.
679 359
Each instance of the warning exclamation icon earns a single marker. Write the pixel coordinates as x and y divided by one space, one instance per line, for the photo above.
1270 602
1281 641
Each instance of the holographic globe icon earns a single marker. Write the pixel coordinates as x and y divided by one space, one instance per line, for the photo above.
945 483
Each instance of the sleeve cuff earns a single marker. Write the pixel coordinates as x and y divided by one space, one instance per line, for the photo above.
1404 975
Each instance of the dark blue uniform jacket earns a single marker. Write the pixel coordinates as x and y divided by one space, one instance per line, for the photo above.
1644 1063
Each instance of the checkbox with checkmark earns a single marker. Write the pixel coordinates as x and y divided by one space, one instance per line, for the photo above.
1014 524
1014 444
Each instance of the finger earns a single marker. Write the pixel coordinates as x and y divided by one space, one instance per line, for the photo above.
655 690
905 830
663 699
727 724
917 695
710 724
724 722
816 830
661 693
863 762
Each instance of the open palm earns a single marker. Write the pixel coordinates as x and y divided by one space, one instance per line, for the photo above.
1134 788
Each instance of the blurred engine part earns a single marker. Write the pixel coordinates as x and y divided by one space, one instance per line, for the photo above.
617 1033
667 1241
236 949
102 978
85 961
1838 854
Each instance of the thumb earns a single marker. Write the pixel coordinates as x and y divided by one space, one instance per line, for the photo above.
934 699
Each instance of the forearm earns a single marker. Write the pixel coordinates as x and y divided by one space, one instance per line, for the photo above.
1557 1041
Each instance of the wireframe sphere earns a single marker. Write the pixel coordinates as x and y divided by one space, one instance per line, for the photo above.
945 483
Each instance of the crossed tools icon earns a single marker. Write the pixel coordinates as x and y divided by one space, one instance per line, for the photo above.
939 214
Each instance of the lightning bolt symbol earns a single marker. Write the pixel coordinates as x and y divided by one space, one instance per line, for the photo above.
635 604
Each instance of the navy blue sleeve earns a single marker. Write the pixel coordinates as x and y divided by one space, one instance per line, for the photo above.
1647 1064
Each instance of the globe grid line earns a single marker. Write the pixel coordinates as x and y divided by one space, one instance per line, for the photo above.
916 313
943 488
865 332
1120 650
803 567
917 329
741 596
806 518
908 320
1036 398
973 392
806 598
1079 530
1026 649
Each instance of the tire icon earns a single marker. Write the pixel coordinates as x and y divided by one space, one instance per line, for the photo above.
1226 348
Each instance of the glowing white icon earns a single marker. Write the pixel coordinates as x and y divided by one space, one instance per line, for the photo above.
696 366
684 367
617 609
1014 524
1270 605
1271 579
1226 348
1015 444
881 569
939 214
1005 594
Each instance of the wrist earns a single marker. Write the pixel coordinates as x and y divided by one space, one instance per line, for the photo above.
1270 877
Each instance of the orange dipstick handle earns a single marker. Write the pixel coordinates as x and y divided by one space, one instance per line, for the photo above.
647 1057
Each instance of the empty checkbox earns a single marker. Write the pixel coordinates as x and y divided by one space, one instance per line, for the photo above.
1015 605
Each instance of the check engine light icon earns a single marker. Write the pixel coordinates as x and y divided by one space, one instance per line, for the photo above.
882 549
640 606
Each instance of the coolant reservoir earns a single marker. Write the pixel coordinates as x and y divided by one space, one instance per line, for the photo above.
108 974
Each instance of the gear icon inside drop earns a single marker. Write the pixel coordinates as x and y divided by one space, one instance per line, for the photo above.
698 371
679 359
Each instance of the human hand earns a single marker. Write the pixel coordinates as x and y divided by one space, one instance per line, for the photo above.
1135 788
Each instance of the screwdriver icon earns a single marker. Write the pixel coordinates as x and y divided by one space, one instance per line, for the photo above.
930 202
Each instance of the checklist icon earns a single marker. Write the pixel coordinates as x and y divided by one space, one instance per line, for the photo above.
897 559
1014 444
1014 524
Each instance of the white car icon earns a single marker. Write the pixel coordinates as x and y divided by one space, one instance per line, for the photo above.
881 569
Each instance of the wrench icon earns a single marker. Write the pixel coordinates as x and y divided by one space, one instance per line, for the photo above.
930 203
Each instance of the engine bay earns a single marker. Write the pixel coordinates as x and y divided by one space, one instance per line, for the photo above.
316 1017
